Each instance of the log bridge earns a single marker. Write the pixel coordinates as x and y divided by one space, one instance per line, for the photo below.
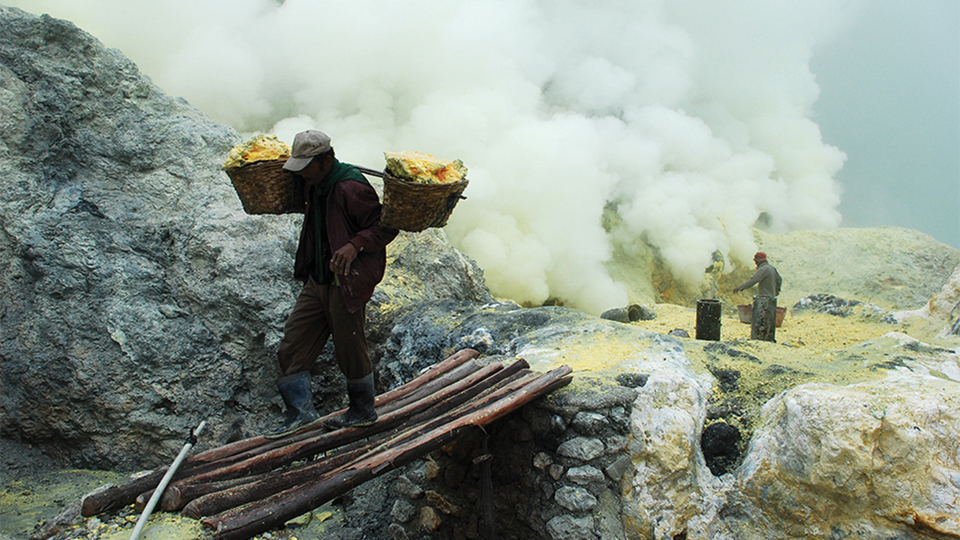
253 485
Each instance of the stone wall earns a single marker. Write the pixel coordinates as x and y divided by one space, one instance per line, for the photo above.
556 470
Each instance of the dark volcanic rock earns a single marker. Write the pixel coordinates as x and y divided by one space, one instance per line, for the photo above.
720 443
832 305
437 329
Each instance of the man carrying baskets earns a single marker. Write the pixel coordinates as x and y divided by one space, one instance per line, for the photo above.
341 258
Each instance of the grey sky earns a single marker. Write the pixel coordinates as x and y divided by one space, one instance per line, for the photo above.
890 99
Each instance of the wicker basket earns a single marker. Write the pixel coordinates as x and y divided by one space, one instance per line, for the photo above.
411 206
265 188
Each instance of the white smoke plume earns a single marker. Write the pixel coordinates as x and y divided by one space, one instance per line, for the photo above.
691 118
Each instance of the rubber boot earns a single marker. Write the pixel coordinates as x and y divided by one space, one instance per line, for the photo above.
296 393
362 411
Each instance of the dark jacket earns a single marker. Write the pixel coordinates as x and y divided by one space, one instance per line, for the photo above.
351 213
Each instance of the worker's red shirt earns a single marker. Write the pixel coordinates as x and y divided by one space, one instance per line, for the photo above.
351 213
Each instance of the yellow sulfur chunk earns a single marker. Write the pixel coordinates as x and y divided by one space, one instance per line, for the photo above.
424 168
258 148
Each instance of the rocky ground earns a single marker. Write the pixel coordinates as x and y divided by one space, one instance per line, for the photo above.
39 497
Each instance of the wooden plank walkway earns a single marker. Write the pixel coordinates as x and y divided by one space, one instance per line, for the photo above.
250 486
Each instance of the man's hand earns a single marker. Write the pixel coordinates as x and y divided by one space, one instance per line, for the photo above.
341 260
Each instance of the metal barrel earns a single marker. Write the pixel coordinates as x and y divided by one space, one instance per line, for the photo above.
708 319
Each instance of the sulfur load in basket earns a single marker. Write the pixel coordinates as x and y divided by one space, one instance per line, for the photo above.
256 170
420 190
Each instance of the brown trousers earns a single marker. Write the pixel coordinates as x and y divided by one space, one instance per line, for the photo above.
319 313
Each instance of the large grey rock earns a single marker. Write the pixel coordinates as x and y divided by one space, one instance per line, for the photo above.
582 448
671 488
439 328
941 311
137 297
575 499
878 458
565 527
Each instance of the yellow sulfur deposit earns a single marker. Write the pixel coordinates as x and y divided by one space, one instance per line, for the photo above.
258 148
424 168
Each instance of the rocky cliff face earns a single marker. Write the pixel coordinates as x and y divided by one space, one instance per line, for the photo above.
137 298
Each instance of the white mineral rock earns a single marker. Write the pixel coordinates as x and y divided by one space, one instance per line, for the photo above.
873 456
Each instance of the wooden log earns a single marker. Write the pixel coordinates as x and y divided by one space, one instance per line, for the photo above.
218 502
177 496
528 392
434 414
261 486
252 519
249 520
230 458
113 497
232 497
227 450
435 371
464 403
433 386
279 457
284 504
235 496
475 396
453 369
484 399
141 501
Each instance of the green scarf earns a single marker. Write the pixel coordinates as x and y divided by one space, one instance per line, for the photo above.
340 172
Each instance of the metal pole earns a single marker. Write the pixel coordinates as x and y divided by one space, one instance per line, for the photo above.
157 493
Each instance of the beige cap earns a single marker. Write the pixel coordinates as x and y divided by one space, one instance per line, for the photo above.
306 145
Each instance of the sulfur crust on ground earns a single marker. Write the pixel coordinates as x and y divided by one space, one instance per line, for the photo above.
814 332
810 347
806 341
32 496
